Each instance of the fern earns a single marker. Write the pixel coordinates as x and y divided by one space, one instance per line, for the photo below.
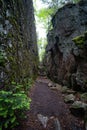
10 104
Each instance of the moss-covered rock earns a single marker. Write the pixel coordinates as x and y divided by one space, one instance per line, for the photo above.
69 98
18 40
80 40
84 97
78 109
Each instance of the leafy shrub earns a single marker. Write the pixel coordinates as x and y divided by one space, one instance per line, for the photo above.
28 84
10 104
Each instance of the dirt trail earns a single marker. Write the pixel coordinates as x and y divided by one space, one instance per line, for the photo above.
49 103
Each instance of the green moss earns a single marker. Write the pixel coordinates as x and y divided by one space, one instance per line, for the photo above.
84 97
22 62
79 40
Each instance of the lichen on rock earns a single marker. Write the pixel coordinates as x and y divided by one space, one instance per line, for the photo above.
18 45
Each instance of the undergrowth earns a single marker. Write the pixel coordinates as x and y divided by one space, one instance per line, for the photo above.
13 104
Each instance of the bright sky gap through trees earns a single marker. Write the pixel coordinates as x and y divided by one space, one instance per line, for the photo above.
44 10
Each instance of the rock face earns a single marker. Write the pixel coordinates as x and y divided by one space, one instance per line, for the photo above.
18 43
66 62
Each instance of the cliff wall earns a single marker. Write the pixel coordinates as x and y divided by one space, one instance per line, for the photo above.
66 61
18 42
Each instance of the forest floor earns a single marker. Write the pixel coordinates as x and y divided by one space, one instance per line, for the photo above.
48 105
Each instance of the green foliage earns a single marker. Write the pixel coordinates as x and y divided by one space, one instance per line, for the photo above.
44 13
28 83
12 104
44 16
16 60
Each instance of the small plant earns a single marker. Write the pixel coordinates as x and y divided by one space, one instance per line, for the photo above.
28 83
10 104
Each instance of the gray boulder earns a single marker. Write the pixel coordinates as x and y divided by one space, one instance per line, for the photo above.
69 98
42 119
